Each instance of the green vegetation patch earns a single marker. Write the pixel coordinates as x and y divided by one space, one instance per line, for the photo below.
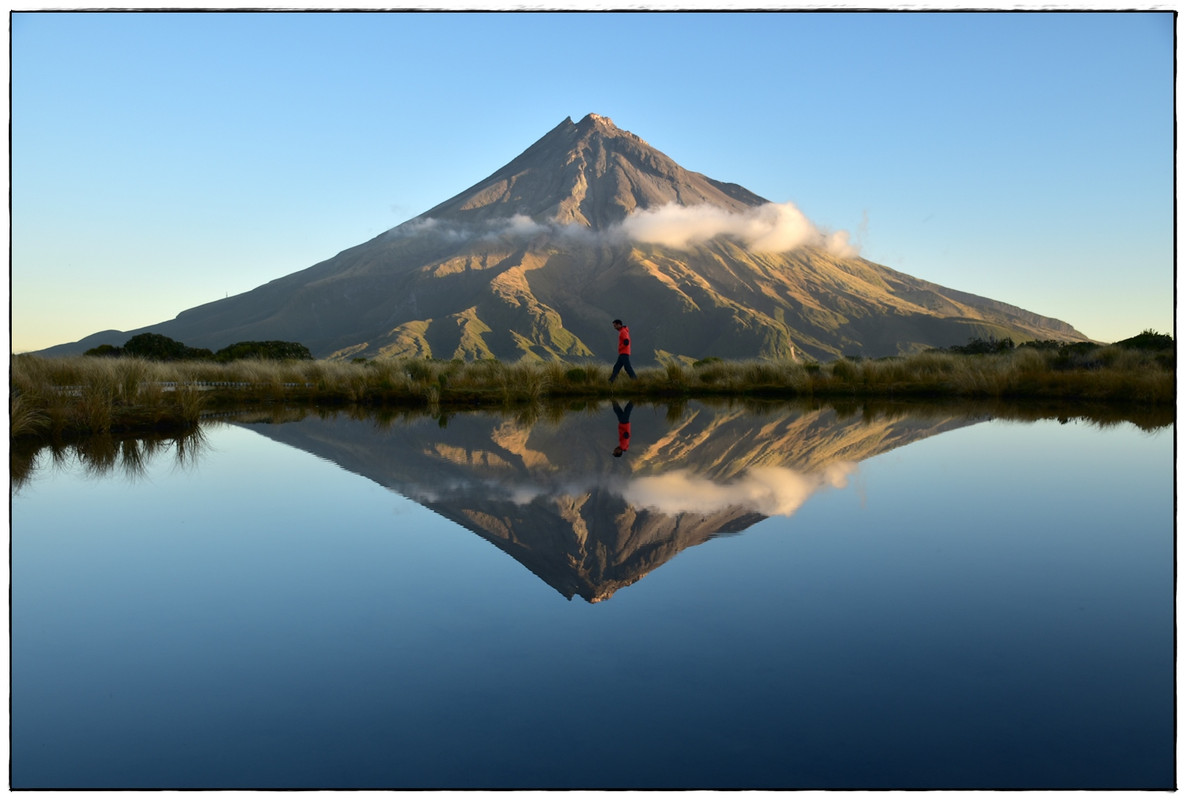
158 347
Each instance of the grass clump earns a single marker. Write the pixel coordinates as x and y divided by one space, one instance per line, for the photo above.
50 397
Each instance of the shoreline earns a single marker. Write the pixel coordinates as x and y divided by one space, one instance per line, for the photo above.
55 397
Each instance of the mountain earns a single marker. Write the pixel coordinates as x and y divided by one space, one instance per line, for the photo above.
551 495
589 224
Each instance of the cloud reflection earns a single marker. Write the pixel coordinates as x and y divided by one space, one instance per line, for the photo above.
770 491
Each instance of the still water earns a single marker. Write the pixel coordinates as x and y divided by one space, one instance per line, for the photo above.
744 598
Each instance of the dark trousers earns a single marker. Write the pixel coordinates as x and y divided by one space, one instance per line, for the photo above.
623 361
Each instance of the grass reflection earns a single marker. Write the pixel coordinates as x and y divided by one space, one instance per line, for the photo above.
105 453
1103 414
102 455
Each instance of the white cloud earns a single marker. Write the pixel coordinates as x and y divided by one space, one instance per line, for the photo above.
430 226
518 225
837 243
771 491
769 228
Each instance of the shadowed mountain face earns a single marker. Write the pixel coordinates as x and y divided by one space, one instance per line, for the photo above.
552 495
589 224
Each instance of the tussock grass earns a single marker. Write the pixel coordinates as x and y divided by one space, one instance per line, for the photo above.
50 397
81 395
25 419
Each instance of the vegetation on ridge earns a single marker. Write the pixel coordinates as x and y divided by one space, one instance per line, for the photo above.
52 397
158 347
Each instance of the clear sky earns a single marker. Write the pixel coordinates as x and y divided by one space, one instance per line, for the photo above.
164 160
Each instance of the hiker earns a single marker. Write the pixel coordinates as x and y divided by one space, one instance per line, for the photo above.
623 352
623 428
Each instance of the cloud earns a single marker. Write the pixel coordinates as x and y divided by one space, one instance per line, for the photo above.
770 491
429 226
768 228
520 225
837 243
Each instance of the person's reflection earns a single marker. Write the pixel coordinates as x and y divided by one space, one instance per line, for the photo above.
623 428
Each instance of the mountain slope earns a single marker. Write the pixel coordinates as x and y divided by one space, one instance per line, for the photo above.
588 224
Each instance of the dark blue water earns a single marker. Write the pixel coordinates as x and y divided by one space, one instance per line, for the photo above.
744 600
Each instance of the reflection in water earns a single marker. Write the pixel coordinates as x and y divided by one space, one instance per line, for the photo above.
545 492
996 612
103 455
539 486
623 427
769 491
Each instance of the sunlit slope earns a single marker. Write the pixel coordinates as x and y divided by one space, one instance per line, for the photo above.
721 300
536 260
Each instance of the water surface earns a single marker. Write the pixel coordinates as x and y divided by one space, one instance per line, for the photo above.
778 598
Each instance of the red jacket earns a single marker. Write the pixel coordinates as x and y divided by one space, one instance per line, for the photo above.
624 341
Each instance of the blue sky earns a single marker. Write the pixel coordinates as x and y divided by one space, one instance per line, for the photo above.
161 161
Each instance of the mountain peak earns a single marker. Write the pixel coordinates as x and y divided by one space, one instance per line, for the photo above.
591 173
596 119
592 124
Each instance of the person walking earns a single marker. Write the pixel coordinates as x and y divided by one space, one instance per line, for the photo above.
623 352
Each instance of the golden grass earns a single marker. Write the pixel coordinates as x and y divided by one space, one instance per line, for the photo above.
53 396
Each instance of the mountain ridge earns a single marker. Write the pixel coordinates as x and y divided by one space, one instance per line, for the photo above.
588 224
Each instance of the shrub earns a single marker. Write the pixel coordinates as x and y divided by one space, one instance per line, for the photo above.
270 350
1148 339
104 351
157 347
978 346
1043 344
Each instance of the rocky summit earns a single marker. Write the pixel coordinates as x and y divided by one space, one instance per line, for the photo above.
589 224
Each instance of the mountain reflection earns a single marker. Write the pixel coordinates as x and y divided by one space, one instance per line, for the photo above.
588 518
